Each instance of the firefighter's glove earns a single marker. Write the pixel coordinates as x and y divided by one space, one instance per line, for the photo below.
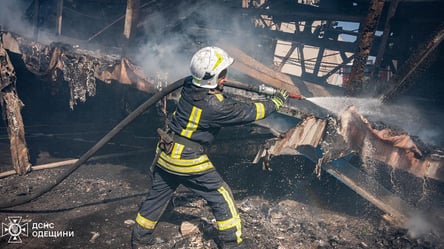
279 98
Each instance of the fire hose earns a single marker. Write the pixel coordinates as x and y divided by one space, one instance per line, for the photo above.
261 89
119 127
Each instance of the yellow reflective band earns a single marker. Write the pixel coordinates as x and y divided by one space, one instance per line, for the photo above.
177 150
235 221
239 234
219 97
260 110
185 169
196 80
193 122
231 206
195 165
184 162
144 222
219 60
227 224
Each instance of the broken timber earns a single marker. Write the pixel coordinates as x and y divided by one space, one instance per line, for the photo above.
422 58
79 68
260 73
366 36
11 107
352 133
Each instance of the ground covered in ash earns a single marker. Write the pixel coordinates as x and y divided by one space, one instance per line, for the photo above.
288 207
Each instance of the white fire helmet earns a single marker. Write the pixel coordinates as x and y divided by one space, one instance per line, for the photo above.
206 65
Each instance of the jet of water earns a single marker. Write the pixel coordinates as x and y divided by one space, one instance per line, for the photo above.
410 118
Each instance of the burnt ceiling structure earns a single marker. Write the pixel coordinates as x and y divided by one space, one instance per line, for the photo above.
389 51
402 38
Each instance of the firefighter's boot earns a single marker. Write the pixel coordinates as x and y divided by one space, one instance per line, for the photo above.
141 238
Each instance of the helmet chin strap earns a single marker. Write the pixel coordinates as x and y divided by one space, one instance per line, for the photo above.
220 87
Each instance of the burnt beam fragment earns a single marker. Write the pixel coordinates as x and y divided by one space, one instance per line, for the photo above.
365 42
57 62
417 63
11 110
80 68
329 141
385 37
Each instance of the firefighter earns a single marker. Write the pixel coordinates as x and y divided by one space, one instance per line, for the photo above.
181 159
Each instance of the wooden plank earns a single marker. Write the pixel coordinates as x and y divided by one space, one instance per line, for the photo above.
16 131
367 187
247 65
385 36
11 109
420 59
132 13
59 17
365 40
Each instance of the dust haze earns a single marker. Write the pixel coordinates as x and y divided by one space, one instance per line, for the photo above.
173 36
11 17
413 118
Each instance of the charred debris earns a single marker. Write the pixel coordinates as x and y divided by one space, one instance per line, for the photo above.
336 144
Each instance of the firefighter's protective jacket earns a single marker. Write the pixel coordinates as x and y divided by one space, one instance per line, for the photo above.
198 118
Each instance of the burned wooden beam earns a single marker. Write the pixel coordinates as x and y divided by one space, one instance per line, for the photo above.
353 133
420 60
395 149
11 110
309 39
132 13
57 62
287 56
385 36
397 209
328 141
307 133
302 12
80 68
59 17
246 65
365 41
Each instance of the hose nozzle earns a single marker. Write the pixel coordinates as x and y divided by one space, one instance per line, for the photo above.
267 90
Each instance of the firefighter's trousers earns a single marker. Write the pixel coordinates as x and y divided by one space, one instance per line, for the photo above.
208 185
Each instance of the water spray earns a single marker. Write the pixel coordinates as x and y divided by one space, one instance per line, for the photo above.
261 89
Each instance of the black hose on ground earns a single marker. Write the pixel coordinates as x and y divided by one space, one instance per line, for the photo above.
139 110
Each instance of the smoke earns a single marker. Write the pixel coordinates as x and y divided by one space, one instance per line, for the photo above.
420 121
172 36
172 30
418 226
12 16
15 17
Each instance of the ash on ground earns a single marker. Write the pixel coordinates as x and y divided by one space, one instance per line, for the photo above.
288 207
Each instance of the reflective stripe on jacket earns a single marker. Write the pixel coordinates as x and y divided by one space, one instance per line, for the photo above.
199 116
